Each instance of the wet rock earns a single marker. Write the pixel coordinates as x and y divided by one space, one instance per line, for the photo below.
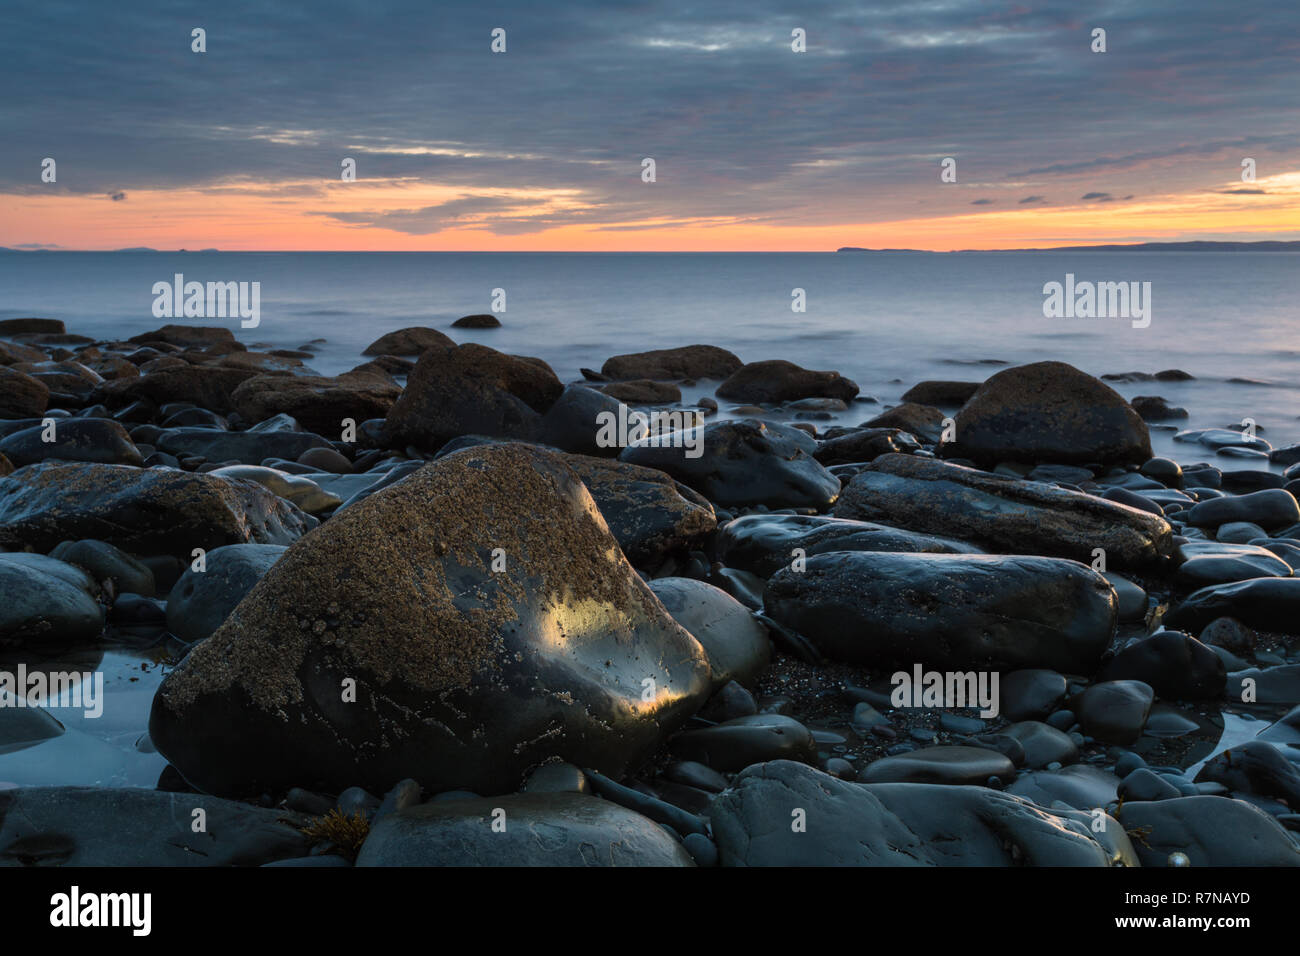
465 677
687 362
650 513
1031 694
301 491
948 611
207 386
327 460
574 422
735 744
319 403
780 381
409 341
200 601
143 512
482 320
859 445
1114 711
1080 786
1043 744
75 439
1272 508
1221 562
470 389
924 421
103 827
1254 767
251 447
1144 784
764 544
22 726
189 336
1132 599
1175 665
1048 411
941 393
897 824
643 392
21 396
954 765
1211 831
48 603
746 463
737 646
1153 408
1002 513
107 563
541 829
1267 604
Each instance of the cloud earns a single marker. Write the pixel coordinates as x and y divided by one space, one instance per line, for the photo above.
1097 197
117 196
741 127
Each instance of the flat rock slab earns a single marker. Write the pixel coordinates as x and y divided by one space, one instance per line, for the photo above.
540 829
897 824
1002 513
92 826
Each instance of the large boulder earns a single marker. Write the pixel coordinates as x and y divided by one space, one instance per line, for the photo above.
764 544
200 601
471 389
651 514
780 381
142 511
319 403
948 611
742 463
898 824
463 676
410 341
687 362
190 336
541 829
1002 513
21 396
75 439
1048 412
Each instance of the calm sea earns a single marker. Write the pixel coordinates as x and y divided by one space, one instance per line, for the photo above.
886 320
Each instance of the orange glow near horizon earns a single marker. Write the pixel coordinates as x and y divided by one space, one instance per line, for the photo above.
297 217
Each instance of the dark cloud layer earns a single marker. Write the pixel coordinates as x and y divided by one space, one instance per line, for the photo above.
738 124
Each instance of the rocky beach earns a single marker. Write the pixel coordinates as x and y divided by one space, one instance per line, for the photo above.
428 612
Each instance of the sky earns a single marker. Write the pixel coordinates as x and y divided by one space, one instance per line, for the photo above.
541 147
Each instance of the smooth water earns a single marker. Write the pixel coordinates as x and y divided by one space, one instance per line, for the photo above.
886 320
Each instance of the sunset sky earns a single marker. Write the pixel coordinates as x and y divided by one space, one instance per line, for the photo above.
540 148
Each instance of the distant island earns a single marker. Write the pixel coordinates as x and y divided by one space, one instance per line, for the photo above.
1195 246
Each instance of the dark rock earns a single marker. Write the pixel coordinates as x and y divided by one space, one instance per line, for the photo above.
942 394
736 645
1255 767
410 341
1173 664
764 544
21 396
1267 604
319 403
1042 743
643 392
48 603
650 513
1048 411
897 824
780 381
746 463
200 601
470 389
971 766
1153 408
481 320
1211 831
1031 694
859 445
735 744
107 563
540 829
687 362
76 439
1002 513
141 511
189 336
1274 508
1114 711
464 676
251 446
948 611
